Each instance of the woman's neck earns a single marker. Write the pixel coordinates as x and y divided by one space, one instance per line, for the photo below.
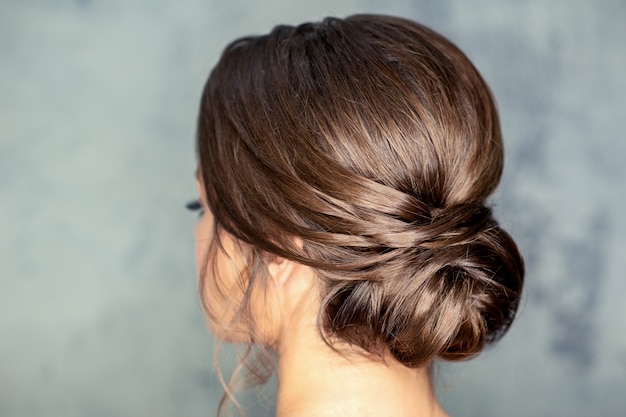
315 380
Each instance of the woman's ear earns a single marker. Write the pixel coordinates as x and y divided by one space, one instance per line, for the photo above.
291 278
283 270
280 269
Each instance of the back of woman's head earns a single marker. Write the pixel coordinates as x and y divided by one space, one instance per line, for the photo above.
366 148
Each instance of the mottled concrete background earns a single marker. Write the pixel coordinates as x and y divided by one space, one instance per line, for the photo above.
98 308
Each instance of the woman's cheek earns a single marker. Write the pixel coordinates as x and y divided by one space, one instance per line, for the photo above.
202 238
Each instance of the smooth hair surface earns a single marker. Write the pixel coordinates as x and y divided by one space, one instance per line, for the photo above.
374 142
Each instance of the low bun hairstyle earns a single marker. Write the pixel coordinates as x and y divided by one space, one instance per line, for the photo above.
374 142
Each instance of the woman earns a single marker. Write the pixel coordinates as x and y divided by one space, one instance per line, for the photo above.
344 168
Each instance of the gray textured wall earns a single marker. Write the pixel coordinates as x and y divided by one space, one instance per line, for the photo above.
98 308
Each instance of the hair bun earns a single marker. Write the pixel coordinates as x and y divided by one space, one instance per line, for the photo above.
453 292
465 286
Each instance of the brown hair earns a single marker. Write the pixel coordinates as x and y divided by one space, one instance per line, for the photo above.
375 142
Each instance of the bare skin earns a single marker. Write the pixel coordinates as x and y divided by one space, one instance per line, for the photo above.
315 380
